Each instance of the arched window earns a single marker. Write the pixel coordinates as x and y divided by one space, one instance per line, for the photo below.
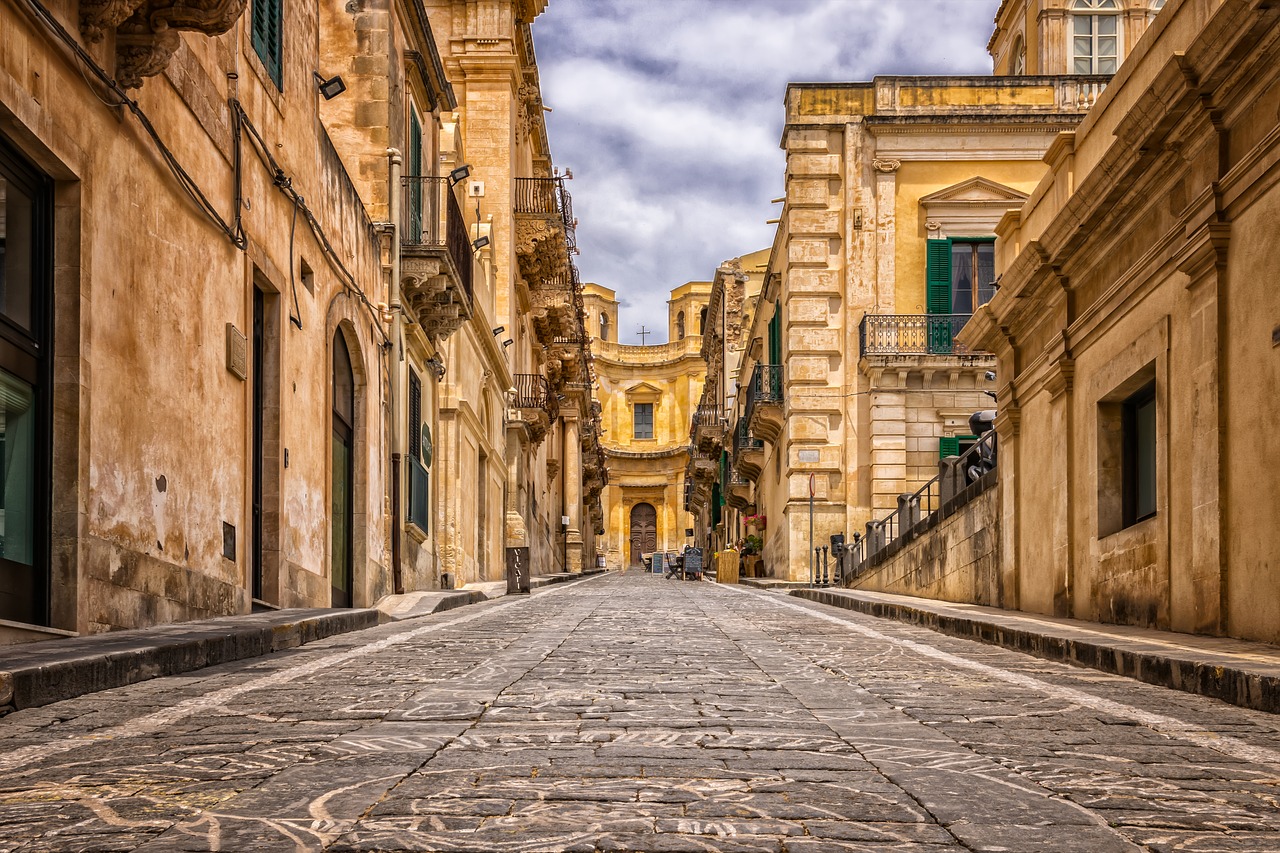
702 322
680 326
1095 36
1018 59
604 326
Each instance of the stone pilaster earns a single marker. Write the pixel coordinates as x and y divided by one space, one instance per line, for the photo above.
572 491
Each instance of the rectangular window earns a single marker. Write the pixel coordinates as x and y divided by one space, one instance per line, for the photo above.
267 37
643 420
1127 453
1139 456
1095 44
973 273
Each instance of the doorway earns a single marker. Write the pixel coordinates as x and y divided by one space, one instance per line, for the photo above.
644 532
342 485
26 231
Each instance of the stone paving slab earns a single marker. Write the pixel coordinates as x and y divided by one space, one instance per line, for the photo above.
629 714
1242 673
36 674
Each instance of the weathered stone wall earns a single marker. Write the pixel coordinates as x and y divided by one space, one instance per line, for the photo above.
1145 254
957 560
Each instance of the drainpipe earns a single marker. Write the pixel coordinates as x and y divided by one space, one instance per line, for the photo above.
397 360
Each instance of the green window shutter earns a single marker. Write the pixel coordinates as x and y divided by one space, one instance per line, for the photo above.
775 335
265 31
938 277
415 144
948 445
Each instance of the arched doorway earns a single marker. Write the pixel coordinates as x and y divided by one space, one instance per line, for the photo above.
341 557
644 532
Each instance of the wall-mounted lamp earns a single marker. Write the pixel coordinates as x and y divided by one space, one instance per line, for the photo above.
436 363
331 88
459 175
479 243
499 330
508 342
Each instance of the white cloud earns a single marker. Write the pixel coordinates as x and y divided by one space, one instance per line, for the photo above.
670 112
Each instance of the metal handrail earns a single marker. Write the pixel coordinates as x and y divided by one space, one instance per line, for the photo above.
912 334
916 509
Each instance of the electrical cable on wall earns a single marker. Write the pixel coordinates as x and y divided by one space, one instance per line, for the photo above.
188 183
284 183
240 122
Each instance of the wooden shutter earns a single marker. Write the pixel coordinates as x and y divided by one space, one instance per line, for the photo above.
775 334
415 416
948 445
266 36
938 277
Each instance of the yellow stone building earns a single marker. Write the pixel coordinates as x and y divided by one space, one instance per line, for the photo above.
648 396
271 311
852 381
1136 331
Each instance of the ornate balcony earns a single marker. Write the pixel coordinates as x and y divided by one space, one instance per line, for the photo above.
436 264
707 428
912 334
737 492
554 314
544 229
748 452
537 406
764 411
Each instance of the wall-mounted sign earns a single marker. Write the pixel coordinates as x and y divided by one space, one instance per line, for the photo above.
428 449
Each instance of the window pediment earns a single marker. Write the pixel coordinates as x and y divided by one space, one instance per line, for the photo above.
970 208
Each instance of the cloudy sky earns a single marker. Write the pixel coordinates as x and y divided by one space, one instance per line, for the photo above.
669 113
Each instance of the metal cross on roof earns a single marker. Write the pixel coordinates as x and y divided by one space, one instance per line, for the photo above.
643 332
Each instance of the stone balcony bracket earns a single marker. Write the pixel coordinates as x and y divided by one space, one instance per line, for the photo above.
433 292
146 31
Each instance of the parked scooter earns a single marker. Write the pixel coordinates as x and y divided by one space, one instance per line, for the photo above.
981 423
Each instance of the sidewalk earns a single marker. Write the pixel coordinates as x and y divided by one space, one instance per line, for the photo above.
1235 671
40 673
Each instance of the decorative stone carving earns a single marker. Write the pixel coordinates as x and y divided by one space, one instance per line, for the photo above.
886 166
99 16
541 250
147 30
432 293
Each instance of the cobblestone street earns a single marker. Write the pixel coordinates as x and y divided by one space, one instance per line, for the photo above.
634 713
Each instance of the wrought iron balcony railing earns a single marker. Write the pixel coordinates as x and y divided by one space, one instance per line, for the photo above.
743 439
912 334
765 387
532 391
432 218
547 197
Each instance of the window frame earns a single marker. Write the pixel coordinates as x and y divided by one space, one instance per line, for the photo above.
266 32
1139 456
1095 11
636 421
